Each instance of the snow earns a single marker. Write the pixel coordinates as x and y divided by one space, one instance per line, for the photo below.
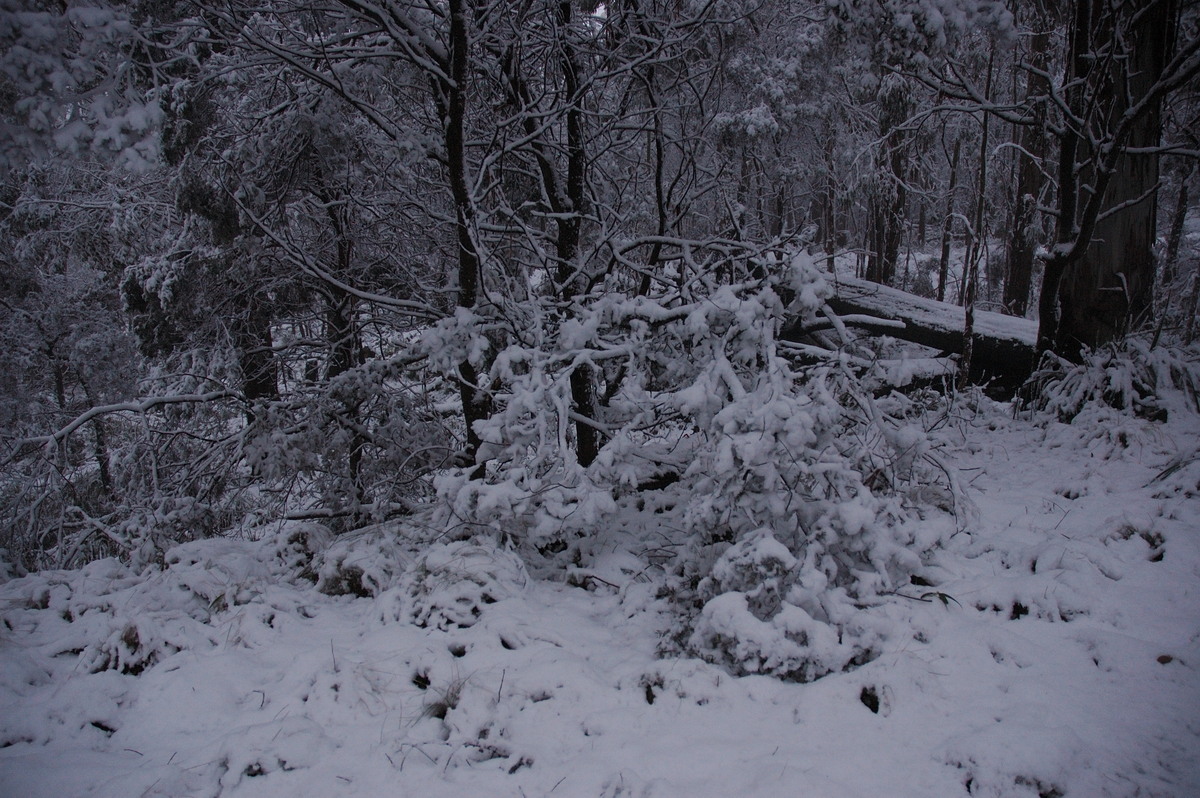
943 316
1049 648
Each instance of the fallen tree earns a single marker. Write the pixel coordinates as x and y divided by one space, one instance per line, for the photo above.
1004 345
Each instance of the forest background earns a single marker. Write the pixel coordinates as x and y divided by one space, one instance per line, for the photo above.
509 269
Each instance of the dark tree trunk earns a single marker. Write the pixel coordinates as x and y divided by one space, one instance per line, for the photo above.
948 223
452 95
100 452
1175 236
1024 232
252 336
344 337
1192 306
1105 287
583 392
342 333
1002 346
978 246
890 191
567 200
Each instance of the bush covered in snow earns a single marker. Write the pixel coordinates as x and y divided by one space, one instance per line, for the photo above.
452 583
1113 402
1129 376
793 489
809 505
362 563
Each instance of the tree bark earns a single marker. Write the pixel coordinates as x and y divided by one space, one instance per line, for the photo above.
1192 307
252 336
948 223
1175 236
1024 238
890 191
978 245
342 333
1003 346
583 391
1105 289
453 93
100 452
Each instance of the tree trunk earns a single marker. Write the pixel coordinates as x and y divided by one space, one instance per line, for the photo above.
475 403
978 246
1192 306
100 452
1024 239
344 337
1175 236
583 392
252 336
1003 346
948 223
1106 291
342 333
890 192
567 200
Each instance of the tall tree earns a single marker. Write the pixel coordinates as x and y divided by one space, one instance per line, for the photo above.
1123 62
1024 234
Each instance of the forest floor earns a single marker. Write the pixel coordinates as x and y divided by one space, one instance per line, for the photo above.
1055 651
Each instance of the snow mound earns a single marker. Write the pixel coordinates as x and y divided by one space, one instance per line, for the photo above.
452 583
1045 646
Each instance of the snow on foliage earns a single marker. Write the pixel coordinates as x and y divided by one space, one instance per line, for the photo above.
362 563
1128 376
61 61
452 583
1047 648
1112 403
917 30
810 468
757 451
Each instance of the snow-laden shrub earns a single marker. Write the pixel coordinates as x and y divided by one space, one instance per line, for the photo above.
112 616
8 568
1114 399
795 490
1180 477
155 479
535 494
805 514
452 583
220 574
359 443
362 563
1128 376
131 645
653 360
297 547
169 520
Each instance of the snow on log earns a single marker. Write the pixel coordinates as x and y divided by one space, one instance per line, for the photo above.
1004 345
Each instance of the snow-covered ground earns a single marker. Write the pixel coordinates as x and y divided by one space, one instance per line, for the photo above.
1051 649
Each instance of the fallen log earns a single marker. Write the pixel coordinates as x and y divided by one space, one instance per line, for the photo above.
1004 345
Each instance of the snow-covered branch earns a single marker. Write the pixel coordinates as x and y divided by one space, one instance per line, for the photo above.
140 406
